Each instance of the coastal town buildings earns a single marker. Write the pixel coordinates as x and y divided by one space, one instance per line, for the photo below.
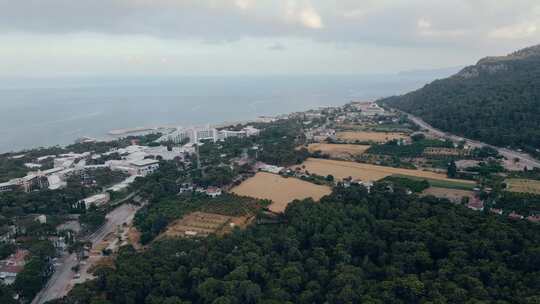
320 134
136 161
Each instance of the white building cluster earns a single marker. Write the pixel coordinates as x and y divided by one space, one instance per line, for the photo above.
196 134
368 108
136 161
55 178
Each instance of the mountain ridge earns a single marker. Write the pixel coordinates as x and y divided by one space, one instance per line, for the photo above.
493 64
496 101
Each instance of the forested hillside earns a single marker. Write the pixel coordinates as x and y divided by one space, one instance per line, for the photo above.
496 101
353 247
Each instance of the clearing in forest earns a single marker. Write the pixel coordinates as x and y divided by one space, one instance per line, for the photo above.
523 185
367 172
280 190
453 195
198 224
364 136
337 150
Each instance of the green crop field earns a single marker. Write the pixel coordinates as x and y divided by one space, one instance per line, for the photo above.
442 183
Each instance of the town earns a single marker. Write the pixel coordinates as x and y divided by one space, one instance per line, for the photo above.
67 210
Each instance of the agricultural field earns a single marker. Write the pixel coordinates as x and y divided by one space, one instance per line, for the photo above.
366 172
281 191
523 185
438 151
197 224
453 195
365 136
337 150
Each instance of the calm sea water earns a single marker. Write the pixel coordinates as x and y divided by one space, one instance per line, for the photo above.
37 113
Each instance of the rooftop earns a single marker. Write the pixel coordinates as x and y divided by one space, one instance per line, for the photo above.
96 198
144 162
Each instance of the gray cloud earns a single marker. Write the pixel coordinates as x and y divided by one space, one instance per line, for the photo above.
410 22
240 36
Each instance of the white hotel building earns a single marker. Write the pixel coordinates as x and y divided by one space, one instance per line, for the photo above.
195 134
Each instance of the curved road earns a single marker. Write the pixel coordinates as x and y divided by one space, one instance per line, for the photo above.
525 159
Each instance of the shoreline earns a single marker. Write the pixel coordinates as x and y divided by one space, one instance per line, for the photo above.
120 133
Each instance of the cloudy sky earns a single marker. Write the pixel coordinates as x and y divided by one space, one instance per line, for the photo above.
237 37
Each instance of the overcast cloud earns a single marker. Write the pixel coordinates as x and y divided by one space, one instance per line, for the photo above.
56 37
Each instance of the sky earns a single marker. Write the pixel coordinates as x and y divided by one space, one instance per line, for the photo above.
52 38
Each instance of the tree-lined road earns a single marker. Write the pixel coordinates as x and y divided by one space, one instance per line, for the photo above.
524 159
61 281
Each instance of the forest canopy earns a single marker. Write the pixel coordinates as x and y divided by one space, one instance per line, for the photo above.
352 247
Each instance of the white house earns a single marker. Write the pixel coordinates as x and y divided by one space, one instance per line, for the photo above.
96 200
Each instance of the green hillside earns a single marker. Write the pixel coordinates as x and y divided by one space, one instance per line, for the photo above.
496 101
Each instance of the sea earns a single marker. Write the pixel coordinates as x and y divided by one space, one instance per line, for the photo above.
57 111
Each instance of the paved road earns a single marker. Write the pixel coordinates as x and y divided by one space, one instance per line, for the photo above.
525 159
62 280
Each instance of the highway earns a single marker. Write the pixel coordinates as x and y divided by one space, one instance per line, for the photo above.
62 280
524 159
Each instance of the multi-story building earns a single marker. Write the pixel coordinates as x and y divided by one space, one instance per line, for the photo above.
95 200
145 166
8 186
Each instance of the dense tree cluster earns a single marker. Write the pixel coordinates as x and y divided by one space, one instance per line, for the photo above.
36 271
217 176
92 218
415 185
279 141
498 104
7 295
521 203
353 247
6 249
97 178
56 202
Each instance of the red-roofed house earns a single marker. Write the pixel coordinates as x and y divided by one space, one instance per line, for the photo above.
534 218
213 191
515 216
476 204
12 266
